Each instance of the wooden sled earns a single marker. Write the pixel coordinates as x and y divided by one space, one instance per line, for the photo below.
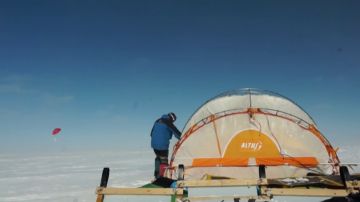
343 185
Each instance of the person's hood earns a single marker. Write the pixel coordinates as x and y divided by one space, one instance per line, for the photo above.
165 116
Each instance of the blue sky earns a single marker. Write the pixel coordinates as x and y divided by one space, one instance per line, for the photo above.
104 71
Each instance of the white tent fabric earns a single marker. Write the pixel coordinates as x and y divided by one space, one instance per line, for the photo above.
247 98
233 133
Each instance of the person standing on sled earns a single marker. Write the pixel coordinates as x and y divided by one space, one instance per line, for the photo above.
161 133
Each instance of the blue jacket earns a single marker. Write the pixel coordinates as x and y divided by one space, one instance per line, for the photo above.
162 132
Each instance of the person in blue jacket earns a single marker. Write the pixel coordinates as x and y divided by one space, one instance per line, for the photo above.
161 133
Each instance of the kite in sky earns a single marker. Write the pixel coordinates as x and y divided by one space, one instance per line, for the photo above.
56 131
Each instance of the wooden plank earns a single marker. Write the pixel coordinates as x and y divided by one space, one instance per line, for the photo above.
306 192
221 183
204 198
353 184
138 191
100 198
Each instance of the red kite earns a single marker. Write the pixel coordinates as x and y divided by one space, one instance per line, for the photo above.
56 131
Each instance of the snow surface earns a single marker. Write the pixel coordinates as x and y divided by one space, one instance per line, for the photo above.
73 177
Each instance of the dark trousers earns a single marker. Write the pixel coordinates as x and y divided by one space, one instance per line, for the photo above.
161 162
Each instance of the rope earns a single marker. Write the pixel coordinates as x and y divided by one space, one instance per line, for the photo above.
216 134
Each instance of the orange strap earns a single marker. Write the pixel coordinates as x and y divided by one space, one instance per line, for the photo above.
267 161
214 162
293 161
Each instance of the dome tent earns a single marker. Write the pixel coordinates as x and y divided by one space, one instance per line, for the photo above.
233 133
